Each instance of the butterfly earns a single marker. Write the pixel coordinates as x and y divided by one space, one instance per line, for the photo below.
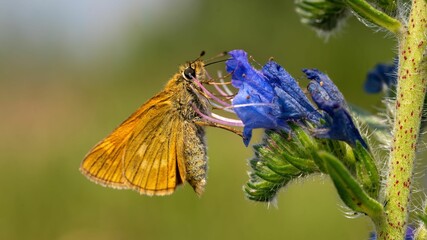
161 145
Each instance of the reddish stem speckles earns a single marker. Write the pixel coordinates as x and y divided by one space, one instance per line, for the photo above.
409 103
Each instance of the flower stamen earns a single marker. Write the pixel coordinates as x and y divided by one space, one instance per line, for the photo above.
209 94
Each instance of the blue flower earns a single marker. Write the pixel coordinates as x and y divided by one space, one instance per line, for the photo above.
267 98
254 101
338 124
381 77
270 98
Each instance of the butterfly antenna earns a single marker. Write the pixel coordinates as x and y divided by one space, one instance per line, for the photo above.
222 54
202 53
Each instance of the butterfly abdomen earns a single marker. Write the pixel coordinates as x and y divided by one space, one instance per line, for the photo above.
195 156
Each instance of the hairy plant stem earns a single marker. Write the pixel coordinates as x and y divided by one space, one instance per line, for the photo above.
370 13
411 91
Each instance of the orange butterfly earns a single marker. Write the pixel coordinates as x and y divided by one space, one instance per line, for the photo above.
159 146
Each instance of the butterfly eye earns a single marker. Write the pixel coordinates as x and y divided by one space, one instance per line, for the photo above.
189 73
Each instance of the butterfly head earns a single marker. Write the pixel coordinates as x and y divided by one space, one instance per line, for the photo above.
192 70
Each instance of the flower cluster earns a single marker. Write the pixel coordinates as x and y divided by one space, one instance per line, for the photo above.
270 98
302 137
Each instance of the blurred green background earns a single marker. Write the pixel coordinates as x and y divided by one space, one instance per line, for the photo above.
71 71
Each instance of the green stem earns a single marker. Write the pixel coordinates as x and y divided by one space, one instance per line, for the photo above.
411 91
370 13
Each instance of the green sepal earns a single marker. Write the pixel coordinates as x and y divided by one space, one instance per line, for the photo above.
349 189
341 150
285 142
265 173
367 172
306 140
262 191
303 164
279 159
295 151
319 162
309 147
272 159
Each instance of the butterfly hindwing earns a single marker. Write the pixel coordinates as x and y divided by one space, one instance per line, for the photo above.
153 160
145 139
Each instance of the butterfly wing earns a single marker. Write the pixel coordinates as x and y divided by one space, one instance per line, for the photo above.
154 157
137 150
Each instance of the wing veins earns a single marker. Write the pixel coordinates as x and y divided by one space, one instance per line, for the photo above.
151 167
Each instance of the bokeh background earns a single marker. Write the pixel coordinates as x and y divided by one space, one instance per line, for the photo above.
71 71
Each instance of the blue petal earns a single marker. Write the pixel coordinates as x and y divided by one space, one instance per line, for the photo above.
292 100
242 72
339 123
330 89
254 116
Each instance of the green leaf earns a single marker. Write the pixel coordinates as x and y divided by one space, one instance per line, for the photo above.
349 189
367 172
